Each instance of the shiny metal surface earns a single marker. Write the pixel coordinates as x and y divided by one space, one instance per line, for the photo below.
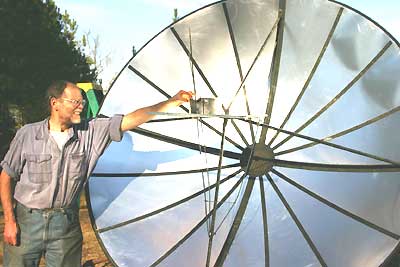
319 85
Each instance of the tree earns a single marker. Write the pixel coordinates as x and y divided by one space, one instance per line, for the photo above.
37 46
91 45
175 16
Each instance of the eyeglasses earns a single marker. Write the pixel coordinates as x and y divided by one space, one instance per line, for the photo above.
75 102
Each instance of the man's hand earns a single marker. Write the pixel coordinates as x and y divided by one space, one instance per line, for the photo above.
182 97
11 232
10 224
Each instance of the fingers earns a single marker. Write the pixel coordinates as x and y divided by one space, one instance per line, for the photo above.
11 239
182 96
10 234
186 95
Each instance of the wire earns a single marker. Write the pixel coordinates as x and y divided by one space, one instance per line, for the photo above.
241 185
191 64
198 126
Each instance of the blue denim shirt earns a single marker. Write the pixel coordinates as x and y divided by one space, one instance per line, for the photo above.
48 177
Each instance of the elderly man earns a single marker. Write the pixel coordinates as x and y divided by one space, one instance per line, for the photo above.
50 161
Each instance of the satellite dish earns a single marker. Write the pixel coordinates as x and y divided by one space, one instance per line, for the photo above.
301 169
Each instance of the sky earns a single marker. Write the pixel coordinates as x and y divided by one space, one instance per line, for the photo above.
121 24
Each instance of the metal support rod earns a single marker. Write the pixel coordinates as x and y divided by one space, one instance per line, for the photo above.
339 95
239 66
214 211
311 75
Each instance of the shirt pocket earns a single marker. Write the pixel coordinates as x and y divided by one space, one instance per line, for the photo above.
39 168
76 167
76 164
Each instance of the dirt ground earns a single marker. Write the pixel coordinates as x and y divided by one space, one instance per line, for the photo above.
92 254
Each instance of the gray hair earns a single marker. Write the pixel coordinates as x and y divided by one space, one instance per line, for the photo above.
56 89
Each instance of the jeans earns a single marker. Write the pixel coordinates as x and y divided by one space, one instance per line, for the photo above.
53 233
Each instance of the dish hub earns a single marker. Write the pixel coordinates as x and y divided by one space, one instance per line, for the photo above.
261 160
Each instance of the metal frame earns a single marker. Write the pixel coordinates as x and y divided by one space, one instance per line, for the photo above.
392 166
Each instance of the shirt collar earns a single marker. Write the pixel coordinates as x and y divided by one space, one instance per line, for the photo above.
43 132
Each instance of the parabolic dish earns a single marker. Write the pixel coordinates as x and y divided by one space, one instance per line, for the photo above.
310 178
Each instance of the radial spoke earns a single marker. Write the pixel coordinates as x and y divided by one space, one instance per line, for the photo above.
175 141
236 223
214 212
333 167
182 107
188 235
208 126
274 71
338 96
232 205
175 204
393 255
219 133
336 207
239 66
189 53
354 151
297 221
178 38
311 75
256 58
138 73
191 64
352 129
239 132
265 221
141 174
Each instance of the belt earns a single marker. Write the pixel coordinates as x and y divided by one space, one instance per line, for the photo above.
48 210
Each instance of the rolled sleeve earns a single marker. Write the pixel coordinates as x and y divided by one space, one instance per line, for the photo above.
105 130
115 128
13 161
8 169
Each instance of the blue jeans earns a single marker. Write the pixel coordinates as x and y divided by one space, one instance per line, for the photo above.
54 233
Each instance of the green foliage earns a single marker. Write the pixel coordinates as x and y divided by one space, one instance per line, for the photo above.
7 130
84 42
91 46
37 46
175 16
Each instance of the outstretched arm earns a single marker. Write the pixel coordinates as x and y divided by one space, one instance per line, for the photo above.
10 224
142 115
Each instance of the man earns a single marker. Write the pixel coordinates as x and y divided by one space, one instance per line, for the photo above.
50 162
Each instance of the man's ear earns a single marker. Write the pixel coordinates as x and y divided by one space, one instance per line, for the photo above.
54 103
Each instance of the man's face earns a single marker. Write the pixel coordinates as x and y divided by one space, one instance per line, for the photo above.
70 105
